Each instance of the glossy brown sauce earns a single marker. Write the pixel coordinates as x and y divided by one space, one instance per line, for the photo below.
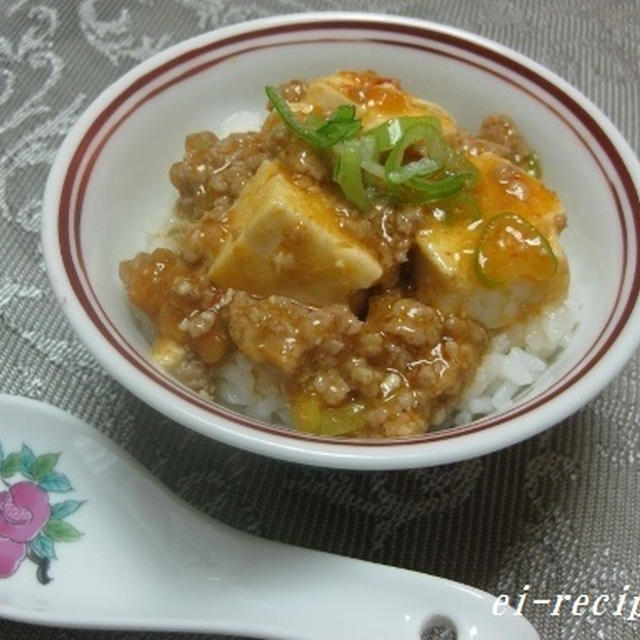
382 363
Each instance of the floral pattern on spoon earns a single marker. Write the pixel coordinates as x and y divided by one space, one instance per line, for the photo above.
30 524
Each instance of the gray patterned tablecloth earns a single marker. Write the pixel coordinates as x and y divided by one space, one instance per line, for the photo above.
560 512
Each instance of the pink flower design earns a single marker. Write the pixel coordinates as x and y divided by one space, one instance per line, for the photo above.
11 555
30 526
24 510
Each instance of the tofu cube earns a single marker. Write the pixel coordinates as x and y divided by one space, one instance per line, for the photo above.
375 97
286 241
444 270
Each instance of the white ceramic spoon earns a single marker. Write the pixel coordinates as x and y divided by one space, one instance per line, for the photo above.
146 560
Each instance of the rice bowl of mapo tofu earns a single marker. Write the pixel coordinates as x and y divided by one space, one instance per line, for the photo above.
385 244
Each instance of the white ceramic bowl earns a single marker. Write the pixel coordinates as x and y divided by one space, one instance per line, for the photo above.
108 189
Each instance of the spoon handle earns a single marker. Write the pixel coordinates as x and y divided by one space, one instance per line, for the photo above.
146 560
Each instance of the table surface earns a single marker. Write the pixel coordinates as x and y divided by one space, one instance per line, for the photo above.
559 512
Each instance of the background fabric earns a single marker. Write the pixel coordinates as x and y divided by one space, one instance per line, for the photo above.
560 512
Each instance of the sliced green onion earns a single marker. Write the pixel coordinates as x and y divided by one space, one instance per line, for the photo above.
425 191
412 176
343 113
340 125
417 132
455 179
299 128
388 134
347 172
509 248
314 121
371 160
421 167
374 168
375 162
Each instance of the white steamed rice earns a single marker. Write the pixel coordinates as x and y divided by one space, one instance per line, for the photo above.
517 358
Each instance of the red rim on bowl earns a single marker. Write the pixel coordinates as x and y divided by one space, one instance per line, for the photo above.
71 174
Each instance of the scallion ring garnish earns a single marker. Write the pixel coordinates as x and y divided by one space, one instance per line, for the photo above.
388 134
340 125
375 162
347 172
510 248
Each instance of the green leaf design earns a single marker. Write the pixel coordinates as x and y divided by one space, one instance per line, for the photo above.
11 465
43 546
61 510
55 481
43 465
26 462
1 455
61 531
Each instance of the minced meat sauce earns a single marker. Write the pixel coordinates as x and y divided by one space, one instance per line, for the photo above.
383 364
